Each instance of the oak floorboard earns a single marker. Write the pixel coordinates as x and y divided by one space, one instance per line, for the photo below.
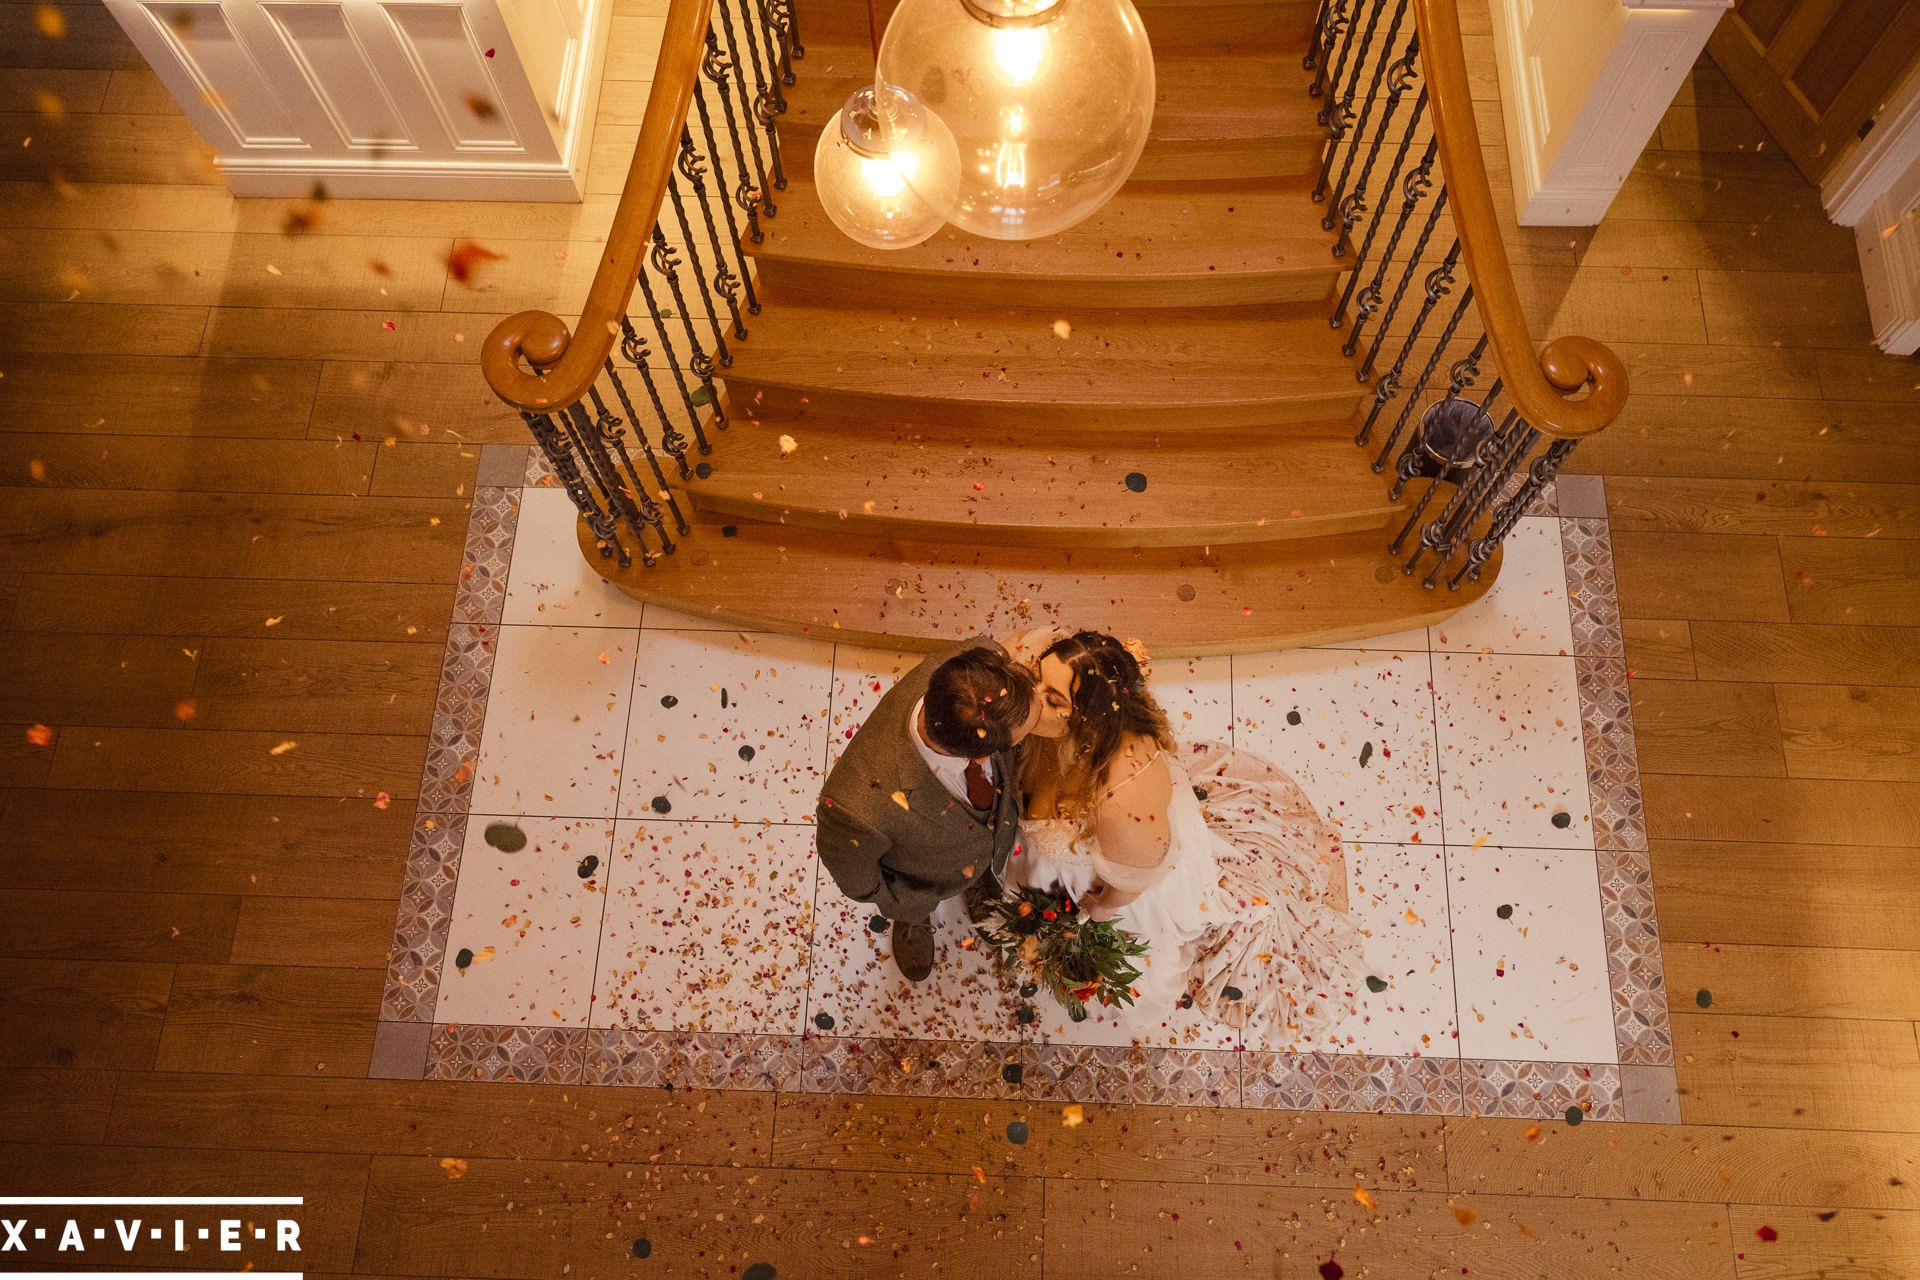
1815 1073
881 1134
1695 576
164 150
1658 648
436 403
138 91
69 679
1803 653
239 761
82 1014
426 471
81 89
57 1105
343 333
1690 504
271 1019
1792 308
88 37
316 686
1785 895
1755 433
94 924
1853 581
1858 1244
1850 731
1702 1164
23 761
205 844
240 608
331 1187
173 464
1180 1230
348 932
82 328
701 1222
1798 981
1866 374
1792 810
126 395
436 1118
1696 726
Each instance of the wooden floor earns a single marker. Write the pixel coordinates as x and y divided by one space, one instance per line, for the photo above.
237 463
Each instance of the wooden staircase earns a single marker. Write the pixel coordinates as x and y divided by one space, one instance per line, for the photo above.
1144 424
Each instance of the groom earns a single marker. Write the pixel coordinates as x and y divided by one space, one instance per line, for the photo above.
924 804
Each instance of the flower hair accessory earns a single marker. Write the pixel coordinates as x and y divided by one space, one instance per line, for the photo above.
1139 652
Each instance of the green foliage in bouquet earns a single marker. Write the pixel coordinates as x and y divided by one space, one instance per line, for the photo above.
1059 947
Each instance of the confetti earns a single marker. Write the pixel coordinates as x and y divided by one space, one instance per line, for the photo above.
283 748
456 1168
1017 1132
39 735
643 1247
1464 1216
1703 998
1062 330
1375 984
788 446
51 22
1767 1233
1362 1198
1073 1115
465 258
1331 1270
382 800
1137 481
505 836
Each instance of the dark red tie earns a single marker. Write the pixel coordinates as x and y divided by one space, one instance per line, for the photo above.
979 790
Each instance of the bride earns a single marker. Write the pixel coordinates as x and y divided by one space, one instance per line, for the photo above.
1213 857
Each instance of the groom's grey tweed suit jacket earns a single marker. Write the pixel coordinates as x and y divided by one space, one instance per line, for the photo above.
905 860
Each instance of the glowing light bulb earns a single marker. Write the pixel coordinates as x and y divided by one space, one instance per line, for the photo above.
882 176
1010 165
1019 53
877 160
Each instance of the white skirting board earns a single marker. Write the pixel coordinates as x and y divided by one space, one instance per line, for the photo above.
399 99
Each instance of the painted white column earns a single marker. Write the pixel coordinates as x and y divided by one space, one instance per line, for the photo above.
1875 188
1583 85
404 99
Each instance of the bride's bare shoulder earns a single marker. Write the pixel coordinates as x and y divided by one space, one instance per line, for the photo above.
1131 823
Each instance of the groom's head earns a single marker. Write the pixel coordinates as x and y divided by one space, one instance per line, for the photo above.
979 703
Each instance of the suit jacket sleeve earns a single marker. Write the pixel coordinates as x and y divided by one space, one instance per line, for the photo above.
852 852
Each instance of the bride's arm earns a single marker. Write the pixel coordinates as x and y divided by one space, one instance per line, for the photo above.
1131 828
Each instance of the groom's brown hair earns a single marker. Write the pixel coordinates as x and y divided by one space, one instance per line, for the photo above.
975 702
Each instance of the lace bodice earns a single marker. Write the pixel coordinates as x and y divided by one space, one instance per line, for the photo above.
1060 840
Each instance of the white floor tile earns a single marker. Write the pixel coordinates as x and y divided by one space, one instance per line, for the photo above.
1197 694
527 924
556 721
1526 611
726 726
1362 746
1397 895
707 927
1512 760
855 983
550 582
1532 985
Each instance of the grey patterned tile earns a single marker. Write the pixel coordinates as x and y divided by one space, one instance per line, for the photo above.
1636 976
535 1055
459 714
1542 1090
1130 1074
491 522
420 922
1352 1082
692 1060
914 1068
1592 599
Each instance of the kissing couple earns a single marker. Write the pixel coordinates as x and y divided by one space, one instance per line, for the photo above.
1044 761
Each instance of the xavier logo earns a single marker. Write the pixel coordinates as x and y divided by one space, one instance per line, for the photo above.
171 1233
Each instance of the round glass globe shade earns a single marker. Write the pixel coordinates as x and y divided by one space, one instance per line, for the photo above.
880 159
1049 103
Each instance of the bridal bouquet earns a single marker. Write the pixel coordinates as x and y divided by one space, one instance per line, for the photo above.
1057 946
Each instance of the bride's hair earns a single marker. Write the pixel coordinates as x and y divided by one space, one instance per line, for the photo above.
1110 702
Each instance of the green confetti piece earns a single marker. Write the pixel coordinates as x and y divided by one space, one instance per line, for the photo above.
1575 1115
1504 911
506 837
1366 754
1376 984
1017 1133
1293 717
1703 998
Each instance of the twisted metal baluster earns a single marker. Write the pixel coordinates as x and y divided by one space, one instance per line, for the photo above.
699 363
635 507
1438 282
1316 40
679 375
1337 113
747 101
586 439
634 348
775 19
1346 205
553 443
743 279
1359 126
1345 21
1481 454
1461 375
1539 475
767 102
1412 189
646 448
689 162
1365 369
719 68
615 436
1443 535
1436 289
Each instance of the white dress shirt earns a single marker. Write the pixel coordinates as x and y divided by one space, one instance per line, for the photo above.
951 770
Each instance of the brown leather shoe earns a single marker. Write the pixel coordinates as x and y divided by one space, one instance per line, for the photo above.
980 898
913 950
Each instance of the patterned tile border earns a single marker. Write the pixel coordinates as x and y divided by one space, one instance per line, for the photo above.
1064 1073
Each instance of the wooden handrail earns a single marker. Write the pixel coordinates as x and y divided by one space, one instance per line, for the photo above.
1539 386
565 364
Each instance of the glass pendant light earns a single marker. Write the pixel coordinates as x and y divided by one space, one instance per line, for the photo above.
1048 101
882 164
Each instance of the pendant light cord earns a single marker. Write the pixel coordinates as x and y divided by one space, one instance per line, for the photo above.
873 28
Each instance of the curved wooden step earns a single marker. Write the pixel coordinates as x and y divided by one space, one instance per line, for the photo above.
1171 24
1237 114
1238 599
1011 489
1207 369
1154 244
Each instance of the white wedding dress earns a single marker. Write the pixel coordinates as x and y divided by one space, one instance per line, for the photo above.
1235 915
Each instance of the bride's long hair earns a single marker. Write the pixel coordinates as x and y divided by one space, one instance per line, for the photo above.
1110 701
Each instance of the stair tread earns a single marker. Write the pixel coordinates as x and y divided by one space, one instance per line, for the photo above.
900 594
1196 358
1149 232
1230 95
1006 486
